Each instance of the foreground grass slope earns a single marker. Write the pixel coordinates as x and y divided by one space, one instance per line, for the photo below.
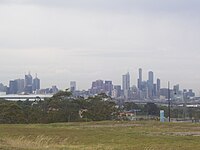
101 135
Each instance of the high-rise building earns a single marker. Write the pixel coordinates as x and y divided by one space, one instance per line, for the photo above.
3 88
16 86
97 87
126 85
28 83
28 80
126 82
150 77
158 88
72 86
36 83
150 84
13 87
108 87
154 90
118 90
20 85
140 79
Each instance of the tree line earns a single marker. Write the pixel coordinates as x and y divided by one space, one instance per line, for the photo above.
61 107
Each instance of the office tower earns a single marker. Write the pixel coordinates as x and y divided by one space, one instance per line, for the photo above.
3 88
97 87
108 87
150 84
154 90
126 81
126 84
150 77
28 83
72 86
140 79
118 90
158 88
12 87
28 80
36 83
20 85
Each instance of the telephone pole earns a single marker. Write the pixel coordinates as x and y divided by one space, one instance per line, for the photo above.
169 101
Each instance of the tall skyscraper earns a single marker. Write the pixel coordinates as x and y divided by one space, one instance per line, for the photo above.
140 79
150 77
28 80
158 88
36 83
20 85
13 87
150 85
108 87
118 90
126 84
28 83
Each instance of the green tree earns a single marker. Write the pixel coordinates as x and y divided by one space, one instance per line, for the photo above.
100 109
11 113
151 109
130 106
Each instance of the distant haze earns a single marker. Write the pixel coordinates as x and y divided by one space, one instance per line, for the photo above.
85 40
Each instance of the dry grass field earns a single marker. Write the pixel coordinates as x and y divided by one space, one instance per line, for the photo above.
106 135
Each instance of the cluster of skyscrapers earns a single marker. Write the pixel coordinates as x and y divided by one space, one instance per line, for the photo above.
28 85
148 89
145 89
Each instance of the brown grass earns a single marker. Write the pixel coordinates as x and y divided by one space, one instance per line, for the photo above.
101 136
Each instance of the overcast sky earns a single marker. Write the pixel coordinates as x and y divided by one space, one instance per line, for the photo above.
85 40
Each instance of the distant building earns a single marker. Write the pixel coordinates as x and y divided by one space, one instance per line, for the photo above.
164 92
176 89
191 93
97 87
36 83
72 86
150 83
154 90
158 87
118 90
13 87
20 85
3 88
126 85
28 84
140 79
54 89
108 87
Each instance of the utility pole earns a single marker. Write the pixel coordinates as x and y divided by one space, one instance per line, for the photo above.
169 101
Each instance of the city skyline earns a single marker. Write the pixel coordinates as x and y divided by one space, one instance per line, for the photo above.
87 40
152 82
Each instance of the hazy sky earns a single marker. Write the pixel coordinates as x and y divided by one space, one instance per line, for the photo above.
85 40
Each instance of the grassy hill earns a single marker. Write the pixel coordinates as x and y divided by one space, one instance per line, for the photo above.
106 135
